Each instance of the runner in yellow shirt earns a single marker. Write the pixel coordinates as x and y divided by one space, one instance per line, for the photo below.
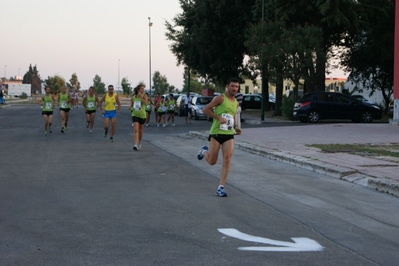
109 112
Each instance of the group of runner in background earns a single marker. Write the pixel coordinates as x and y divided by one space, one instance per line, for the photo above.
141 107
164 110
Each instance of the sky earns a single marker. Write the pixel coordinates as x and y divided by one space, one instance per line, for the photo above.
89 37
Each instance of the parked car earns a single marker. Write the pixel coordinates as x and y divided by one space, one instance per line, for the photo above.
180 103
175 96
314 106
254 101
361 98
199 102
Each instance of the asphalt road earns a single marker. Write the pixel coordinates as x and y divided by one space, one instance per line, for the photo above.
78 199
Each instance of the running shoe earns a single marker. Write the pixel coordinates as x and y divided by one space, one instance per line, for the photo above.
135 148
164 125
157 125
111 139
87 126
139 146
200 154
62 130
91 132
66 126
45 133
105 133
50 130
220 192
173 125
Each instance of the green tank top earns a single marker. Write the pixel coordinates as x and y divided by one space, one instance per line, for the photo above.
171 105
64 100
227 110
138 108
90 102
162 107
47 103
148 107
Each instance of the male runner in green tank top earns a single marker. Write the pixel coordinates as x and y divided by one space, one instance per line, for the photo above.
47 103
64 101
222 131
90 104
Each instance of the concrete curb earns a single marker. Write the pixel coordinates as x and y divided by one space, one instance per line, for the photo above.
385 185
4 106
300 161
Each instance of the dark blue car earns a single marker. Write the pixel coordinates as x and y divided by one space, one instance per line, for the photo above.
314 106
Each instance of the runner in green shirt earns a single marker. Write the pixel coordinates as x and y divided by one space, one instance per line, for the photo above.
90 104
64 101
171 104
47 104
138 104
222 131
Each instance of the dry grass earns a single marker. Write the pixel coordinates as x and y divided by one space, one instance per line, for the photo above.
390 149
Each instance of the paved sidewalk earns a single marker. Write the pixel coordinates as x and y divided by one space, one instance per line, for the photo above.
288 144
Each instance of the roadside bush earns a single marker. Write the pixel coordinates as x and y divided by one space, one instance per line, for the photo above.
287 108
23 96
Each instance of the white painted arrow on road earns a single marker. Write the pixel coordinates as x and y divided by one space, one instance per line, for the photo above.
299 244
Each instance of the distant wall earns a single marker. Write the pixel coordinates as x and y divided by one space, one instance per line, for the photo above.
18 89
375 98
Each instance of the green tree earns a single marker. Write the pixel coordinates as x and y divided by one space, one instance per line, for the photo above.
73 82
160 83
126 87
55 83
337 20
32 77
173 89
286 53
208 36
370 61
194 85
30 74
98 85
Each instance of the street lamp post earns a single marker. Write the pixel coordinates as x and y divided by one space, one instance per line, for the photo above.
396 68
149 47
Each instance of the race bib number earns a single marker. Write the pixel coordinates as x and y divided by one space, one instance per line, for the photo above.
49 106
63 105
171 107
163 108
230 122
148 106
137 105
90 105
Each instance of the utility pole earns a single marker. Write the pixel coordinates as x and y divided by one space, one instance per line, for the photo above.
149 48
396 68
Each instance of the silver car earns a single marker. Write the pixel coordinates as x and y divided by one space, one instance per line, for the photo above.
199 102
